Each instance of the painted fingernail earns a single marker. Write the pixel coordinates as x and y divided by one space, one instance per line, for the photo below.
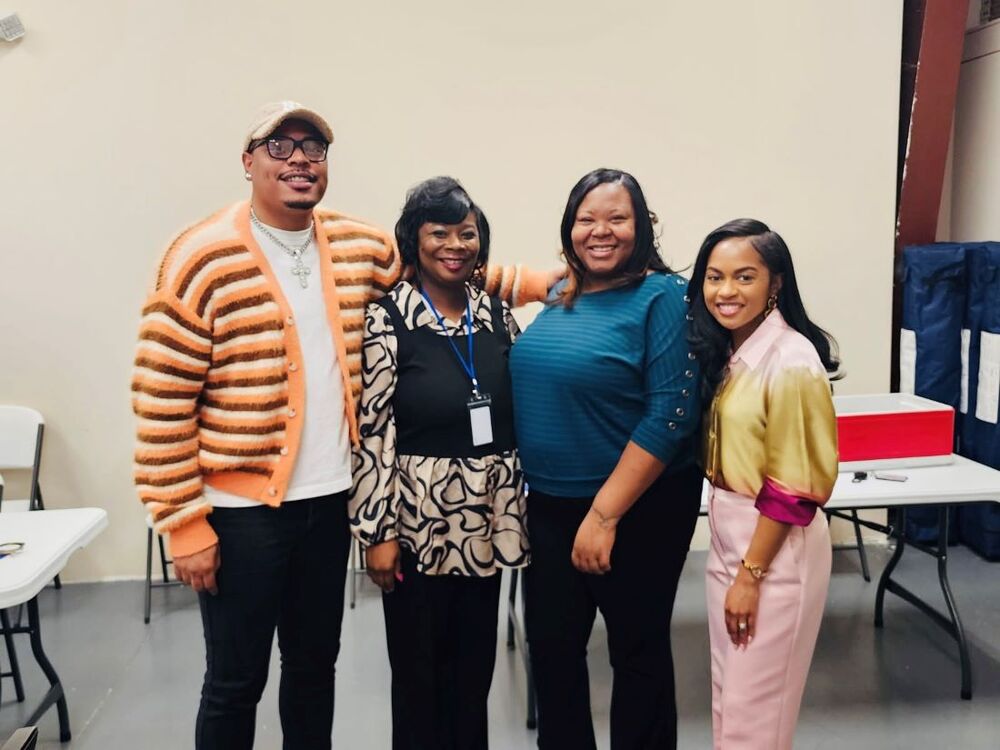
399 577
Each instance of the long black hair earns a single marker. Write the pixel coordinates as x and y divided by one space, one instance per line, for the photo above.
645 255
710 342
439 200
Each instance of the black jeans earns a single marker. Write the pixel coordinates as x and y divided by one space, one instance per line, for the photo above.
636 599
442 637
281 568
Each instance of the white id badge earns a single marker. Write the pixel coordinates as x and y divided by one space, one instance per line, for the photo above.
481 420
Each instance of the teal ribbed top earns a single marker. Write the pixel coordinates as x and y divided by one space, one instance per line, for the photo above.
615 367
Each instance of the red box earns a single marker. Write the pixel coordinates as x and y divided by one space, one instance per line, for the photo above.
893 430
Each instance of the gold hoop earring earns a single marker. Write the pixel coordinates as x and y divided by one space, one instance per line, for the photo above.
772 302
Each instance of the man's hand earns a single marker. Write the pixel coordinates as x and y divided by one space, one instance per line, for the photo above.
198 570
382 562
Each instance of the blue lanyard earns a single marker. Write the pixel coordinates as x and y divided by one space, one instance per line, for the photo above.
470 367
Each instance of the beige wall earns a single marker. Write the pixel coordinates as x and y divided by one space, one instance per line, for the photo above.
121 121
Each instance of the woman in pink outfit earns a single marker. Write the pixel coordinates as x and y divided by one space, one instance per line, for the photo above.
770 450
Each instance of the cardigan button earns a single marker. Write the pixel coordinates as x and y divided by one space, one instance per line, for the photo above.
292 413
686 393
692 356
679 412
290 320
689 373
284 450
272 491
672 425
292 367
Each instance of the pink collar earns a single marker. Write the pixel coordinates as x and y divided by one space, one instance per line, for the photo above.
754 348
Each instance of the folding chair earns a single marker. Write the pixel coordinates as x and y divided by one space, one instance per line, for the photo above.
164 563
25 738
21 433
356 567
859 544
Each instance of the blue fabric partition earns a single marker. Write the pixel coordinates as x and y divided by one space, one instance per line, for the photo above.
979 525
934 311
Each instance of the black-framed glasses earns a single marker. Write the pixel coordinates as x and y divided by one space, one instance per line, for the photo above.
282 147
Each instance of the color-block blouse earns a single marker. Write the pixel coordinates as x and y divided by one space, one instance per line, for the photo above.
459 509
771 432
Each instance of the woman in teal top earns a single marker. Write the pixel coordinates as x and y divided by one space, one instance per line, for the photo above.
606 408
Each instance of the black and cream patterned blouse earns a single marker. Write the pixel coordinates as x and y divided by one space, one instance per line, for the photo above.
417 477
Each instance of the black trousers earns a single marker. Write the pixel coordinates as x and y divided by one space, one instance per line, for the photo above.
282 568
636 599
442 637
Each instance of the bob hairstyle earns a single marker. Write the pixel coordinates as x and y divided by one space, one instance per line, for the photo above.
439 200
646 255
710 342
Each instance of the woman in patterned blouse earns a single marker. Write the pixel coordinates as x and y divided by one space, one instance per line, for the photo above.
439 498
770 442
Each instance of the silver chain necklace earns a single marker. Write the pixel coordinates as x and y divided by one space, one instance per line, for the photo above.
299 269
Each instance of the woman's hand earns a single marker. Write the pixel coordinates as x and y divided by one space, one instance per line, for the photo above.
594 541
382 562
741 608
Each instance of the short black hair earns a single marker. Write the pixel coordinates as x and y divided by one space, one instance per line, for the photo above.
439 200
645 254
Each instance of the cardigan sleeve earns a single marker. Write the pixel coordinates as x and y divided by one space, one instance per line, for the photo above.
672 408
516 285
374 504
171 364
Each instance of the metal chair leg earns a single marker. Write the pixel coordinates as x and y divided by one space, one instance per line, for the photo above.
39 504
15 669
149 575
354 572
861 548
163 559
511 603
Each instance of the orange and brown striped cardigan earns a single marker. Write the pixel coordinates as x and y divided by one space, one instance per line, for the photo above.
216 387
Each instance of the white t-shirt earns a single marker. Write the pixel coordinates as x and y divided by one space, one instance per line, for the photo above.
323 464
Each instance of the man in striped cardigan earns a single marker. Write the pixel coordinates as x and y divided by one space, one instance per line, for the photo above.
245 383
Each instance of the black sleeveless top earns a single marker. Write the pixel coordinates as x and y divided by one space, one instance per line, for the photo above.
433 390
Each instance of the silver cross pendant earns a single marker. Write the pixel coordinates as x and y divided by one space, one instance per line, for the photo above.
302 271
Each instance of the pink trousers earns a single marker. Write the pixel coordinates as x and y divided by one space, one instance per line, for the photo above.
756 692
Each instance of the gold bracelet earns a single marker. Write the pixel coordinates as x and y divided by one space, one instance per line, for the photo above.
758 572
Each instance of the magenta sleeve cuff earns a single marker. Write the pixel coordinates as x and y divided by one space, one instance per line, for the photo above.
778 505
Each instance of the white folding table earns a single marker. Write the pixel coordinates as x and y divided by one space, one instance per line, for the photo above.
49 538
962 481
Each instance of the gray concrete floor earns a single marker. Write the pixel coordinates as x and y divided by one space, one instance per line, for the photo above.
131 685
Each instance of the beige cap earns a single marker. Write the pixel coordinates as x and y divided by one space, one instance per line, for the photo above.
271 115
